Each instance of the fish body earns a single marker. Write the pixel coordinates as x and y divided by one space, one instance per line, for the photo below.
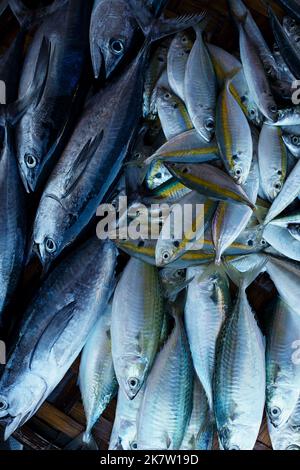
172 113
285 275
55 329
97 380
287 437
136 333
178 55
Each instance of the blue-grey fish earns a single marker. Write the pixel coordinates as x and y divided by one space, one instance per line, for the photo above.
178 55
41 132
168 399
292 142
55 329
287 437
172 113
282 364
239 385
137 318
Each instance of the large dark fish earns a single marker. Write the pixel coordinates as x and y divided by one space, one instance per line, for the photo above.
94 155
12 207
55 329
39 133
157 6
113 32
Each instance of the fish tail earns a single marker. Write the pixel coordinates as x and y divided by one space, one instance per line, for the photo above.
244 279
84 441
212 268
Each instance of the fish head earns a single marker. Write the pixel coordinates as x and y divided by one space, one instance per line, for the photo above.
239 170
280 405
157 174
166 100
19 401
182 44
48 234
270 108
236 437
111 35
290 26
294 230
275 186
293 144
165 254
132 374
254 114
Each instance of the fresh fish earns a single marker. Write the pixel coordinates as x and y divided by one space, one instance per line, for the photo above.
172 113
285 44
184 226
187 147
154 73
255 75
283 240
272 159
293 144
233 135
124 433
167 403
97 380
173 281
283 86
241 14
288 117
113 33
137 317
207 305
290 222
55 330
231 219
157 175
210 181
285 274
41 132
287 437
239 385
168 192
200 88
224 63
178 55
288 193
200 431
283 370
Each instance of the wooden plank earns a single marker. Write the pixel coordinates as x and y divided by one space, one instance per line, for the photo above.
33 440
59 420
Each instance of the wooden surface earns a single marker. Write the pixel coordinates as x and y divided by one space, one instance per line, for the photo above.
62 418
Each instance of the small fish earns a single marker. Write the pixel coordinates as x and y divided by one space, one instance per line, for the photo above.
239 385
233 135
288 117
207 305
200 88
287 436
178 55
272 159
168 399
210 181
172 113
285 274
283 240
137 317
97 380
283 372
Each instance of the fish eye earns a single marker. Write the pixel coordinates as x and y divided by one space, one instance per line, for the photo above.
293 447
263 242
176 244
279 172
295 140
134 446
180 273
238 172
184 39
117 46
158 176
3 404
209 125
166 255
250 242
141 244
50 245
133 383
30 161
167 95
252 112
273 109
278 186
137 155
275 412
185 170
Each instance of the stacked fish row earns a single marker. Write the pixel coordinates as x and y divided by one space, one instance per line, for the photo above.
187 360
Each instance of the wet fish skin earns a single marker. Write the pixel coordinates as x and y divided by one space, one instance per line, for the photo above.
13 226
293 144
286 241
55 329
37 149
97 380
207 305
109 45
200 88
239 385
136 334
233 135
172 113
283 372
167 402
178 55
287 437
272 158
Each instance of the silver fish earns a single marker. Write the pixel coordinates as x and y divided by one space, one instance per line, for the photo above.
200 88
287 437
293 144
286 275
137 318
167 403
172 113
178 55
55 329
282 364
283 240
97 380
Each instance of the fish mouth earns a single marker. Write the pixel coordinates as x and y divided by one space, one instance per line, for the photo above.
11 424
97 60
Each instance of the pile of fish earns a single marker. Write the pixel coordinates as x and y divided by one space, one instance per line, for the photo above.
111 99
